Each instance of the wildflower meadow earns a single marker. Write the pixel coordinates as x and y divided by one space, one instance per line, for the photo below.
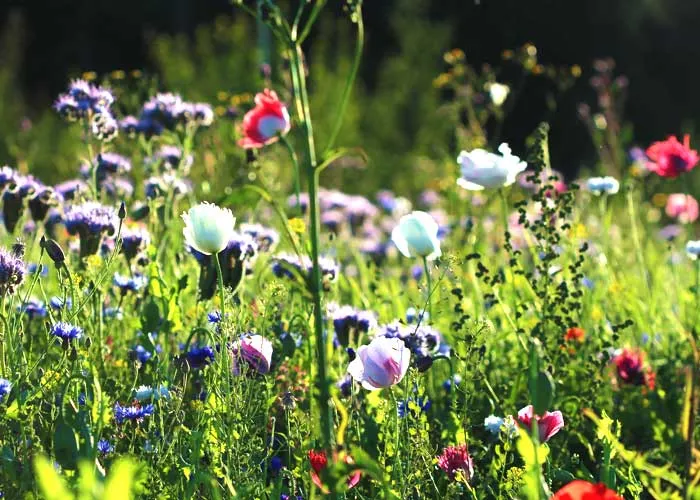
226 302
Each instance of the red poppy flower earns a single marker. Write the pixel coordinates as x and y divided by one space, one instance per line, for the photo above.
264 124
455 459
583 490
319 461
671 158
575 333
631 370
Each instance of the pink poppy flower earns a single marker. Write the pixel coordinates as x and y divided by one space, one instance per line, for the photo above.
266 122
382 363
682 207
548 424
455 459
255 350
671 158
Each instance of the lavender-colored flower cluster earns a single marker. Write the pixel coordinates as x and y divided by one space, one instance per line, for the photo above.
12 272
349 321
33 308
90 221
135 413
134 241
291 266
424 341
170 158
265 237
162 185
17 189
167 111
82 100
129 283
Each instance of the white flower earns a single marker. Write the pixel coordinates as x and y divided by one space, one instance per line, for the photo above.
499 93
145 392
481 169
208 228
417 235
692 248
600 185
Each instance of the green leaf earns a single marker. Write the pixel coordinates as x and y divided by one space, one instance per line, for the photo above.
543 394
50 483
65 445
121 480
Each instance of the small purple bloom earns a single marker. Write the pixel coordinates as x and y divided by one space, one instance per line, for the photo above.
12 272
66 331
135 413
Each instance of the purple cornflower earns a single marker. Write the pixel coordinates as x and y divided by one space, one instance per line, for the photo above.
12 272
90 221
134 240
44 198
349 321
266 238
129 283
33 308
158 186
199 356
5 388
66 331
135 413
104 447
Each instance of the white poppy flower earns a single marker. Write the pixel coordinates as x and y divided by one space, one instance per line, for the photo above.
416 235
481 169
208 228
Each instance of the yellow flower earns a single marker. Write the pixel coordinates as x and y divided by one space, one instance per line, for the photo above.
442 80
596 313
579 231
297 225
615 288
89 76
118 74
576 71
659 199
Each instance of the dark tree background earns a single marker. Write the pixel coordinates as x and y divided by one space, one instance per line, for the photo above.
656 43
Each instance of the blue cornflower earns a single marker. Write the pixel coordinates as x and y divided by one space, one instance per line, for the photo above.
199 356
104 447
129 283
404 407
413 315
57 303
134 413
82 399
345 385
32 268
214 317
276 464
455 380
33 308
66 331
113 313
5 388
493 424
141 353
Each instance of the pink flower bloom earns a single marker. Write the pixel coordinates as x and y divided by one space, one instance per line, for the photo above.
382 363
631 370
682 207
255 350
263 124
671 158
547 425
455 459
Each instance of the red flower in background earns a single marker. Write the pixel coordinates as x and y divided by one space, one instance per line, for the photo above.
671 158
455 459
319 461
263 124
575 333
547 425
583 490
631 370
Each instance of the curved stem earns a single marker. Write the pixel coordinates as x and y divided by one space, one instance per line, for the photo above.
349 82
295 162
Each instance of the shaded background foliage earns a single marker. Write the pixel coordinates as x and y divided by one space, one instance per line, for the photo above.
201 48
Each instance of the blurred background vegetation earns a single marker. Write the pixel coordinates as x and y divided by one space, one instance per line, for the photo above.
403 113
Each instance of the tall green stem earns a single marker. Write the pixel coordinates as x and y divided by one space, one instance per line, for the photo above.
430 288
314 231
220 279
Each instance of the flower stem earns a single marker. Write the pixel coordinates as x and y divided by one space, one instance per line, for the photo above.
295 162
220 279
428 279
